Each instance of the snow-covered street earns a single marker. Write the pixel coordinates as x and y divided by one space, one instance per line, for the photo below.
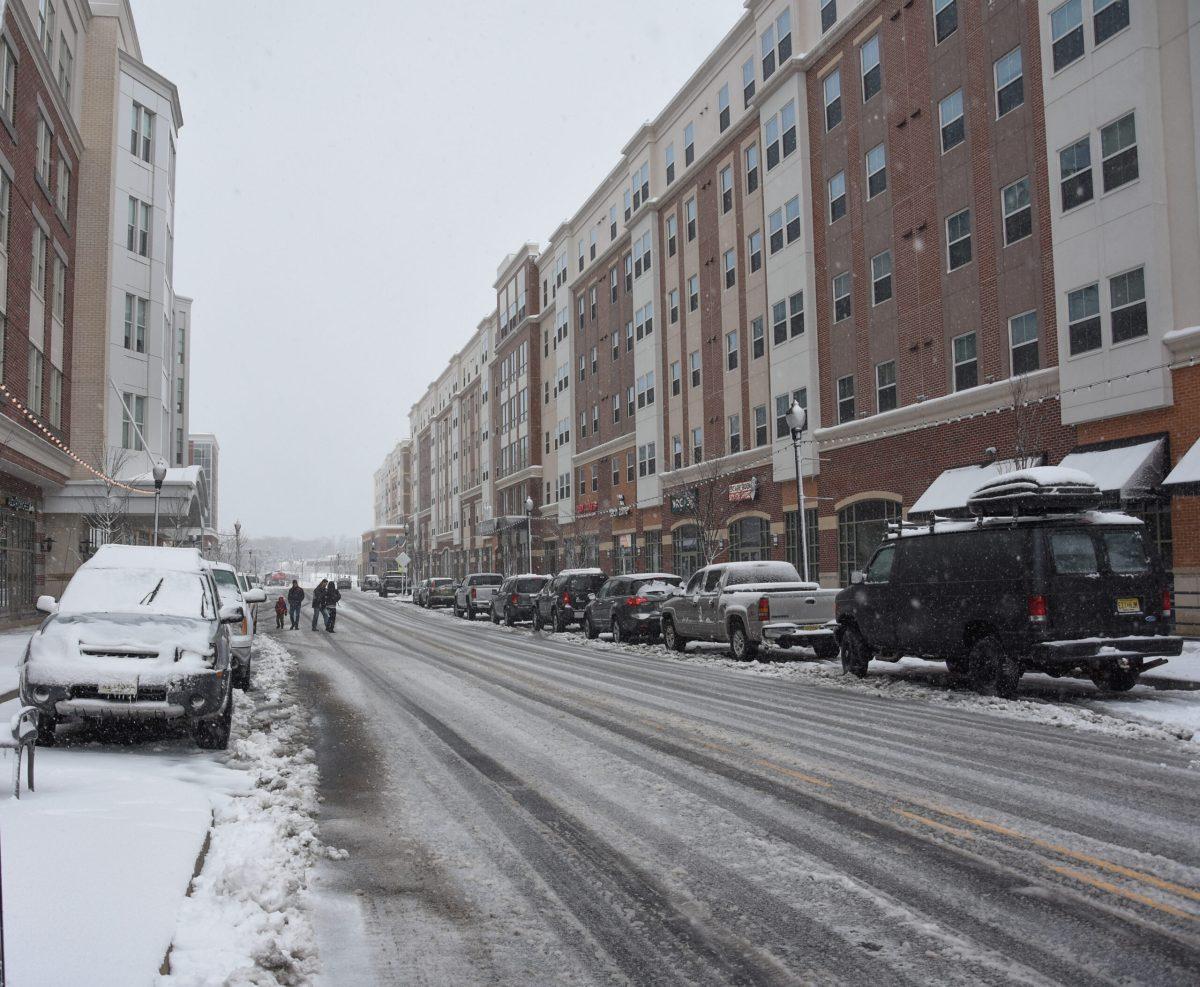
533 808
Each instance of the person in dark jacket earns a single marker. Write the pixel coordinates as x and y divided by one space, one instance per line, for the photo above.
295 598
318 602
332 596
281 609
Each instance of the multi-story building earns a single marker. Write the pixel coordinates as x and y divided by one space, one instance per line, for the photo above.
205 451
392 493
962 237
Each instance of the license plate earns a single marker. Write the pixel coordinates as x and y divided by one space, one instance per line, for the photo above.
118 690
1129 604
811 627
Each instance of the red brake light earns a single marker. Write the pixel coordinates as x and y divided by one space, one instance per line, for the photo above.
635 601
474 593
513 598
1038 610
566 598
1166 603
764 608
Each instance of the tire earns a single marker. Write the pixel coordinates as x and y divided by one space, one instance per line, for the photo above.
212 734
855 653
560 625
958 667
508 617
243 678
47 724
495 616
617 636
826 648
740 645
992 671
537 619
470 613
589 629
1114 678
672 639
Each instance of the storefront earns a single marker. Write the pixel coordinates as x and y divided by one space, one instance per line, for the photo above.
18 556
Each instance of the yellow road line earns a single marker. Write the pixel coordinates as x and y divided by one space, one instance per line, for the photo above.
1121 892
793 774
935 824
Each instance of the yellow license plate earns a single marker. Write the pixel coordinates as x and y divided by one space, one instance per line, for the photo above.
1129 604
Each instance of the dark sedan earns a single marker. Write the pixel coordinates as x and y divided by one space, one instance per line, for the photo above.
628 606
514 601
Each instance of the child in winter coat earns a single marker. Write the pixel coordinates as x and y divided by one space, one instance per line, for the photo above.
280 611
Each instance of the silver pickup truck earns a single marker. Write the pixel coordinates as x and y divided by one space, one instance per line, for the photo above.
747 604
474 594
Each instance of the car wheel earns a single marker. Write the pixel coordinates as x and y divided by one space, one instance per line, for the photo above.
1114 678
560 625
826 648
470 613
856 653
212 734
47 724
589 629
740 645
508 617
671 637
958 666
992 671
617 636
537 619
241 678
495 616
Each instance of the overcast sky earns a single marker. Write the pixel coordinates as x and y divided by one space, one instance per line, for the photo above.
348 186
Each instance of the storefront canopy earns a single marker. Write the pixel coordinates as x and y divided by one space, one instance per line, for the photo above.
948 494
1130 471
1185 477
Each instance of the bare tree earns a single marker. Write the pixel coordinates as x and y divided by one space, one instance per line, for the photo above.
1028 427
704 497
105 521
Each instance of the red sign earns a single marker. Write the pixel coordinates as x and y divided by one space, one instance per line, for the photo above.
743 491
587 507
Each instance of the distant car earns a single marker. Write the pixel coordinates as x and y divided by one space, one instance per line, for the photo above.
420 592
344 582
514 600
562 601
391 584
439 592
628 606
474 594
370 582
232 589
140 633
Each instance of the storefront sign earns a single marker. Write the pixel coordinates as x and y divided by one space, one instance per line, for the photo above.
625 541
19 504
739 492
683 503
587 507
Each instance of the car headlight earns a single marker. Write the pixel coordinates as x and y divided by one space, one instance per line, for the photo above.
41 693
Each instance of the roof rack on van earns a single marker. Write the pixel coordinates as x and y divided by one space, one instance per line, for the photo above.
1039 490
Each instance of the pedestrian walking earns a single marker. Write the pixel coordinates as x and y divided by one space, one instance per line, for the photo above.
295 598
318 603
281 608
333 596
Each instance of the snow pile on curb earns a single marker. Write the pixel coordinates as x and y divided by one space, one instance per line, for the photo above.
247 917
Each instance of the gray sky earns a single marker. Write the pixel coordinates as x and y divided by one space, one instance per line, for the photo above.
348 186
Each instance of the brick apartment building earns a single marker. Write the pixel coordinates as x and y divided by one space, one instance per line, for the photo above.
962 236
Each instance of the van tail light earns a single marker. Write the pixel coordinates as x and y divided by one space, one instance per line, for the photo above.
764 609
1166 603
566 599
635 601
513 598
1037 609
474 593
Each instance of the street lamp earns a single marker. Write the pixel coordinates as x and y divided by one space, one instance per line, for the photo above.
797 418
160 473
529 533
237 545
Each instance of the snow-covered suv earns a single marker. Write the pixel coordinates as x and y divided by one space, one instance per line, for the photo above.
140 632
233 589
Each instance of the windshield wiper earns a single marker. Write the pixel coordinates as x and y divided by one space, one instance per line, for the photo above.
149 597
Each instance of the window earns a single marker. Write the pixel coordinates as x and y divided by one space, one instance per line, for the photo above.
1066 33
751 168
59 297
592 245
56 383
881 277
1018 214
726 189
630 401
179 395
693 287
8 72
629 335
945 19
754 243
723 107
872 74
747 81
783 28
1118 153
37 273
670 159
796 314
787 123
775 230
672 236
592 299
694 367
729 262
811 539
828 14
791 213
642 181
1083 319
758 342
141 132
676 452
885 386
582 366
833 99
673 304
771 140
1127 299
950 115
1023 338
845 399
645 390
731 350
1075 168
676 377
837 197
841 297
689 218
628 204
1109 17
34 392
735 433
958 239
966 365
697 445
779 322
62 189
138 233
616 471
861 527
46 25
612 233
612 285
689 144
761 435
595 360
616 408
43 151
876 170
783 404
767 47
646 460
1010 86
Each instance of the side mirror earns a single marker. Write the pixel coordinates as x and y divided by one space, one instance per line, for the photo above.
232 613
857 577
254 596
47 604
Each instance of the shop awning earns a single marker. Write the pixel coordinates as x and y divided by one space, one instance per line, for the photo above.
1130 471
948 494
1185 477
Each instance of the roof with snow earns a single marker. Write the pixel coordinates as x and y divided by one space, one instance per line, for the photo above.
951 490
1187 470
145 557
1130 471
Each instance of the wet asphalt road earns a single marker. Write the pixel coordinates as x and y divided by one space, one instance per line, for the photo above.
522 808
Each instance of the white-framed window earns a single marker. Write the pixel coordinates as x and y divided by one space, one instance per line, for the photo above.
747 82
1083 319
950 116
1010 83
876 170
726 178
731 350
1109 17
729 263
1066 33
966 362
828 14
676 452
841 296
137 239
179 395
669 157
62 189
5 206
676 371
44 138
58 304
845 399
698 445
694 367
673 305
723 107
1023 341
958 240
751 168
872 73
37 273
783 30
791 216
762 434
1118 152
771 141
47 23
8 74
787 124
796 314
837 197
735 433
689 144
754 249
1018 213
779 321
34 385
832 86
775 231
693 287
689 218
672 234
758 340
56 390
783 404
1127 305
885 386
1075 173
945 19
767 49
141 133
66 62
647 462
881 277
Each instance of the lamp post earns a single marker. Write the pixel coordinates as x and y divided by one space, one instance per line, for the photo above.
160 473
797 418
529 533
237 545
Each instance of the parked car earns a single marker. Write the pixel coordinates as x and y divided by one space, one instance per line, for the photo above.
370 582
420 592
747 604
392 584
231 587
629 606
514 600
439 592
561 601
474 594
140 632
344 582
1078 594
247 584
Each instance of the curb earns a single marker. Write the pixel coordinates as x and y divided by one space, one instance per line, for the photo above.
164 968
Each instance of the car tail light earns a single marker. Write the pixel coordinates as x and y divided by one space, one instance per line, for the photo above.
1166 603
566 599
245 625
474 593
1038 611
514 598
764 608
636 601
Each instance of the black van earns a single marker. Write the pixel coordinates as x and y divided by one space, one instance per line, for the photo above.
1081 594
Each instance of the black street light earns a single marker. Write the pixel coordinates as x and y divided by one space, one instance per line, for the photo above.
529 533
797 418
160 474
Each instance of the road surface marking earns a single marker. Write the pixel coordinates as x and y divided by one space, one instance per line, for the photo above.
936 825
1121 892
792 774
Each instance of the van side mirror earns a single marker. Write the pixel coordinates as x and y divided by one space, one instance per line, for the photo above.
254 596
47 604
857 577
232 613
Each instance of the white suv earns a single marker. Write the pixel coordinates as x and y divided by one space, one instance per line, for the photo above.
233 590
